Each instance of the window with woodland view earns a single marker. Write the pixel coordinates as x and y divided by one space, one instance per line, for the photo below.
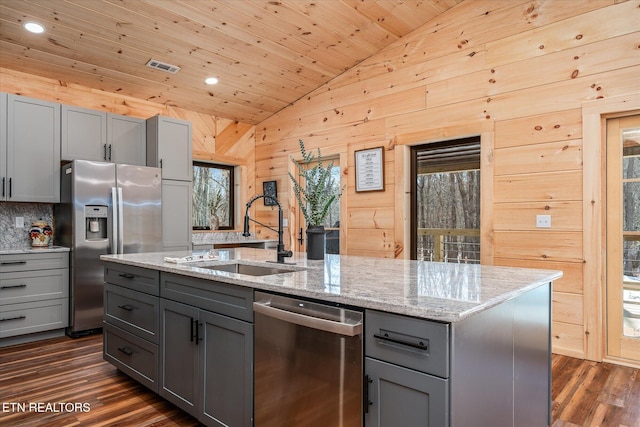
446 201
213 205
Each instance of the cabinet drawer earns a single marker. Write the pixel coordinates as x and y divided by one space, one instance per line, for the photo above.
134 356
37 285
136 278
30 317
223 298
32 262
133 311
413 343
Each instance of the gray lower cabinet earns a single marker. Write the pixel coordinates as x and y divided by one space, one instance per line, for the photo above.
406 371
206 363
403 397
131 322
491 369
34 294
226 371
179 343
188 339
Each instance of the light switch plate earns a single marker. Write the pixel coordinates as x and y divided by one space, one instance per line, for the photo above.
285 222
543 221
19 222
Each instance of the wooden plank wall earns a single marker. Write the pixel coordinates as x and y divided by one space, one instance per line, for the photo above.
214 138
516 70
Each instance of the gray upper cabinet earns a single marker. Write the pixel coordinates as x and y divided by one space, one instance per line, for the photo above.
84 134
100 136
29 149
3 145
176 215
169 147
126 140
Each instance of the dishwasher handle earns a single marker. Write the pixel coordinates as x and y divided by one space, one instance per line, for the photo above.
341 328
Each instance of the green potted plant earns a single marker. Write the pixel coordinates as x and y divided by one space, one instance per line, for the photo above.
315 192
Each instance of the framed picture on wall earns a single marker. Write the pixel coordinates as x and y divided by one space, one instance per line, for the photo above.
270 188
370 169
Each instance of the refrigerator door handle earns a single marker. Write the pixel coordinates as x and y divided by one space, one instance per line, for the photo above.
114 221
121 224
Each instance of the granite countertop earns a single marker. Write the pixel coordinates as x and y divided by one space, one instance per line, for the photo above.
230 237
32 250
234 241
437 291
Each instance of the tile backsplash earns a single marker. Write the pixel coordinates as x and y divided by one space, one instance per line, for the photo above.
12 237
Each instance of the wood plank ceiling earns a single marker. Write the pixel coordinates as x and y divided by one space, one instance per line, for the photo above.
266 54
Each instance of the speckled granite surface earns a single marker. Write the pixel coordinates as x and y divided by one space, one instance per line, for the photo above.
13 237
30 250
227 237
436 291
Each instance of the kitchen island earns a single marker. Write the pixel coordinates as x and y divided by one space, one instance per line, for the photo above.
482 333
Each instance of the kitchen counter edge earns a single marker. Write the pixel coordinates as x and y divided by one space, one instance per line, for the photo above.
310 282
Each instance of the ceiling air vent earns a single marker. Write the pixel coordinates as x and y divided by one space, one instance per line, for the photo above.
163 66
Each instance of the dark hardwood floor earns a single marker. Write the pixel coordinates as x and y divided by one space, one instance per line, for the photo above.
65 382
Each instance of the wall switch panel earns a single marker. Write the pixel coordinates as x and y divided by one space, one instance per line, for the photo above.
543 221
19 222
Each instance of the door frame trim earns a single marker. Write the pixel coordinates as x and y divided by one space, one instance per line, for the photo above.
593 216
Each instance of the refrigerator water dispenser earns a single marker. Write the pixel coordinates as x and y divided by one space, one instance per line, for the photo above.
95 217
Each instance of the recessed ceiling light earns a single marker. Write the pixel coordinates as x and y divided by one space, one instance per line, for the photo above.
34 27
211 80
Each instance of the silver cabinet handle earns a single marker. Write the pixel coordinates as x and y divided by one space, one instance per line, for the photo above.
346 329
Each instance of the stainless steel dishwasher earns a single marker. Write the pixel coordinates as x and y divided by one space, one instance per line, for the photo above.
308 363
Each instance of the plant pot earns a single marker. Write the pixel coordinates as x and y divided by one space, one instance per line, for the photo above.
316 241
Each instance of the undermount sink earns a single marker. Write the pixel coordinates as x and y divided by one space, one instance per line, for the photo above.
249 269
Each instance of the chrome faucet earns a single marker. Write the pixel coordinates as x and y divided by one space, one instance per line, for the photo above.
282 253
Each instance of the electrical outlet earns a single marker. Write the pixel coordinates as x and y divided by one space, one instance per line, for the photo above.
19 222
285 222
543 221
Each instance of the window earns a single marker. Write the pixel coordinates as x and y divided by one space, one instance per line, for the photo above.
446 201
213 204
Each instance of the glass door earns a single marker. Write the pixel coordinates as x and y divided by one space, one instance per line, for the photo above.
445 204
332 223
623 238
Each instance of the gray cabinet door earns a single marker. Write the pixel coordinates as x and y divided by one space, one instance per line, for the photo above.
3 147
226 360
126 140
169 147
404 397
84 134
176 215
179 355
32 150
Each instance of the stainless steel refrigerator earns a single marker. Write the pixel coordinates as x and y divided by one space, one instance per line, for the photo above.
105 208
